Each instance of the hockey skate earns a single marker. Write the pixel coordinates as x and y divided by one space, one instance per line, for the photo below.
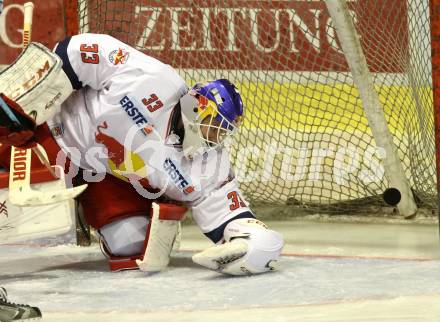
16 312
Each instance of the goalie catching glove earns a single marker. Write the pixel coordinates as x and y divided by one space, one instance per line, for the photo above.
36 85
249 248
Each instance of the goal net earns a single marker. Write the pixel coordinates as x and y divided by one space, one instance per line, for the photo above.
307 139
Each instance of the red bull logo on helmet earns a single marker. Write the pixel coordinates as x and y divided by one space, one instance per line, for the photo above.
203 101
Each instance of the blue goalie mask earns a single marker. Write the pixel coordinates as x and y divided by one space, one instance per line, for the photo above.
211 113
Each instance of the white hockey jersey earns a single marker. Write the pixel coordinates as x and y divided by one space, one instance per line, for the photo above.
119 122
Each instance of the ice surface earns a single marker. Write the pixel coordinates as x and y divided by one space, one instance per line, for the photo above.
69 283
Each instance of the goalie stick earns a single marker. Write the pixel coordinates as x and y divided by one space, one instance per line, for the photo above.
20 192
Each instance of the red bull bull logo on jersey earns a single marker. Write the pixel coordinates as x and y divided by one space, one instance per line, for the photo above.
122 163
119 56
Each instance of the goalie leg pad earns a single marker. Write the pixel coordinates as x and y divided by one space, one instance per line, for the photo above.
249 248
164 231
143 243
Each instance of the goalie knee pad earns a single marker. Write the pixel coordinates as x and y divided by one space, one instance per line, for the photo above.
125 237
263 246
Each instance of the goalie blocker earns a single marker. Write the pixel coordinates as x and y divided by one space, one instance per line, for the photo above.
249 247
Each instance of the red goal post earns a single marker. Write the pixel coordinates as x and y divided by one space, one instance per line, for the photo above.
435 58
307 141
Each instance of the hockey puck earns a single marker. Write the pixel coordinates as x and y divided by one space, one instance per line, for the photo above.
392 196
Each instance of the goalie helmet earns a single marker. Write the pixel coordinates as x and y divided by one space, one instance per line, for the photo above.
211 113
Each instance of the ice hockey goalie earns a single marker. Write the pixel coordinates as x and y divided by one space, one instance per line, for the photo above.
149 148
